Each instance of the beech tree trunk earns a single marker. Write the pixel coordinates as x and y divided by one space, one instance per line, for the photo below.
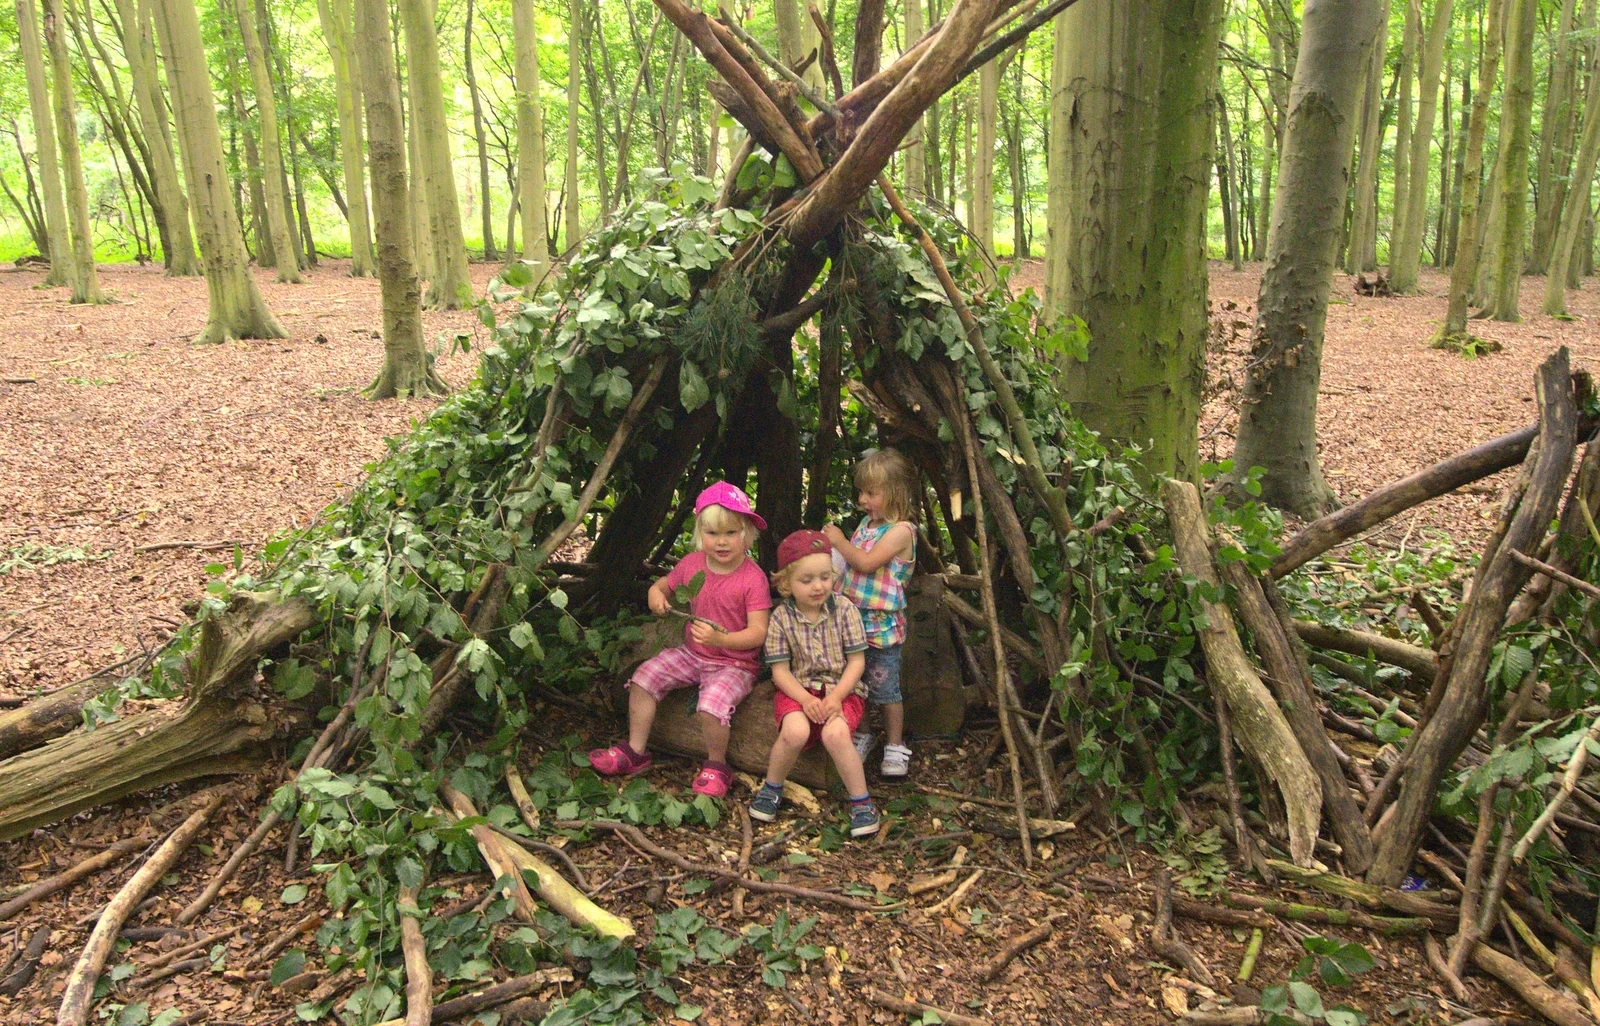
1058 182
1405 256
1516 128
485 208
1140 82
84 279
1278 415
1361 253
338 27
407 369
278 215
916 176
1555 138
235 308
982 218
1575 210
530 140
138 44
574 207
450 285
1403 120
44 135
1464 272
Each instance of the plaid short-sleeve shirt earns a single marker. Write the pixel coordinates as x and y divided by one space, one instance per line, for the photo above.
815 652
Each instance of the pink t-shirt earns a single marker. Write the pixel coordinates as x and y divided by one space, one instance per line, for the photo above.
726 600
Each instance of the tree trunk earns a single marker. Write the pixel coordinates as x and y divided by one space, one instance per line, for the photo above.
485 208
1575 210
1402 143
215 722
1017 164
235 308
138 45
1362 252
1555 154
1405 255
1516 127
1058 181
85 280
450 286
1140 81
417 202
1259 725
1278 415
271 146
1227 173
336 21
1453 204
982 216
916 177
44 134
574 209
407 368
530 139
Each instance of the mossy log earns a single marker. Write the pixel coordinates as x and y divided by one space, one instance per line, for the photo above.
212 731
45 718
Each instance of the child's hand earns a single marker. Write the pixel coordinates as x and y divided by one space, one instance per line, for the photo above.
815 709
705 634
831 706
835 536
658 603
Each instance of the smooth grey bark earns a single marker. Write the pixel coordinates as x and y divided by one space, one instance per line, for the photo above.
1141 79
1362 252
235 308
1575 210
1403 120
1464 271
530 140
450 285
338 27
277 199
407 370
84 279
44 141
1405 254
139 48
1516 127
1058 190
1278 414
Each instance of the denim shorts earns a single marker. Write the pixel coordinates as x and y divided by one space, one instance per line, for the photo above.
882 675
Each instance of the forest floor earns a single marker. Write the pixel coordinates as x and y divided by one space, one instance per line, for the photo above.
119 436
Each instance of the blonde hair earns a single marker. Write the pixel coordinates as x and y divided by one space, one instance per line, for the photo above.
889 472
783 580
721 518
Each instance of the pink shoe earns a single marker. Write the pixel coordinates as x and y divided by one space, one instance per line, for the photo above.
619 761
713 779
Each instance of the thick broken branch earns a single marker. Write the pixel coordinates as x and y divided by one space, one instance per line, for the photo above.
1419 661
1257 721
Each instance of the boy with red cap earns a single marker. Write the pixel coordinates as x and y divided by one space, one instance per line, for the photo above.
816 649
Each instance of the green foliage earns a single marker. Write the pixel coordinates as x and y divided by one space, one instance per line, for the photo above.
1196 859
38 555
1329 963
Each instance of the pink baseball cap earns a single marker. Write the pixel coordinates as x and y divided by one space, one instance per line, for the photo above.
728 497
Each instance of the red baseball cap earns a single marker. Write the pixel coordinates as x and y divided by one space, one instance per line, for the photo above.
801 544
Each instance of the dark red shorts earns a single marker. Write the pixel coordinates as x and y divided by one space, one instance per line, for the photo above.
852 709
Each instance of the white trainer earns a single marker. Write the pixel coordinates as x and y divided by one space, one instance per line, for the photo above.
896 762
865 741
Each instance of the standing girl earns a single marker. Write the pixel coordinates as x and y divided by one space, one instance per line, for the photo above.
879 557
722 644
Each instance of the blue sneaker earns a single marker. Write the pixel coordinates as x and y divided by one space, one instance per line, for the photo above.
864 820
764 806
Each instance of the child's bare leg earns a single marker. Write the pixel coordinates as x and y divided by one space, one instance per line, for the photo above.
791 742
641 717
837 740
894 723
715 735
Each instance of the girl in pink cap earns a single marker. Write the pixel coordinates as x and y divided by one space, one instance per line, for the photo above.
722 644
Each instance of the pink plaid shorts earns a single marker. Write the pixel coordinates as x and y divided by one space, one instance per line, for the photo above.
722 685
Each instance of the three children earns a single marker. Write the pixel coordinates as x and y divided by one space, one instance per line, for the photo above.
834 629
